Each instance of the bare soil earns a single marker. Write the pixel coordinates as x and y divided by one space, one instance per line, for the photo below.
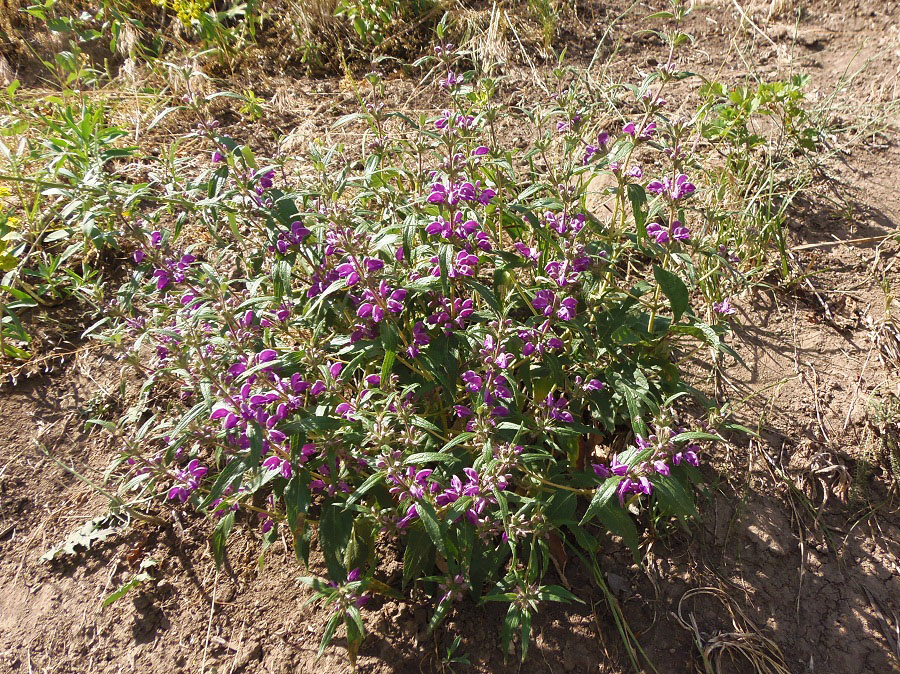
798 545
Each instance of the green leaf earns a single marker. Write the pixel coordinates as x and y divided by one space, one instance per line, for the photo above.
230 476
557 593
122 591
604 494
439 614
219 536
638 198
387 364
423 423
672 497
361 546
673 288
327 636
618 522
429 457
335 527
432 526
418 556
510 624
296 500
281 278
486 293
525 626
355 628
370 482
458 440
141 577
695 435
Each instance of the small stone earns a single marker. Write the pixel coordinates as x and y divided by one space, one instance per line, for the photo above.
618 584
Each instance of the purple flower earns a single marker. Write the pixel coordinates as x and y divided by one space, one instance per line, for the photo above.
439 227
345 410
278 464
162 278
679 232
472 380
386 298
656 232
548 303
217 157
616 467
347 271
189 480
530 254
265 180
543 302
594 385
724 307
688 454
567 309
485 196
451 494
411 514
600 470
627 486
558 408
438 194
451 81
443 121
139 256
373 264
307 451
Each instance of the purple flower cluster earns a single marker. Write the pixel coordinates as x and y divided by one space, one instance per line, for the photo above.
662 235
454 193
468 233
641 133
548 303
601 146
172 270
558 408
294 237
381 301
188 480
675 189
660 452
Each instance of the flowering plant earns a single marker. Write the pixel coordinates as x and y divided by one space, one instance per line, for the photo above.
433 342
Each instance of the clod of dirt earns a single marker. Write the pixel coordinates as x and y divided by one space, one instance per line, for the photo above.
769 530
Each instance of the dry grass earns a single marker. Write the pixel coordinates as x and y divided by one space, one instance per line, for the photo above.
744 641
6 73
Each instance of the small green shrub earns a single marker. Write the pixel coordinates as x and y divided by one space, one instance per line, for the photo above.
432 342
